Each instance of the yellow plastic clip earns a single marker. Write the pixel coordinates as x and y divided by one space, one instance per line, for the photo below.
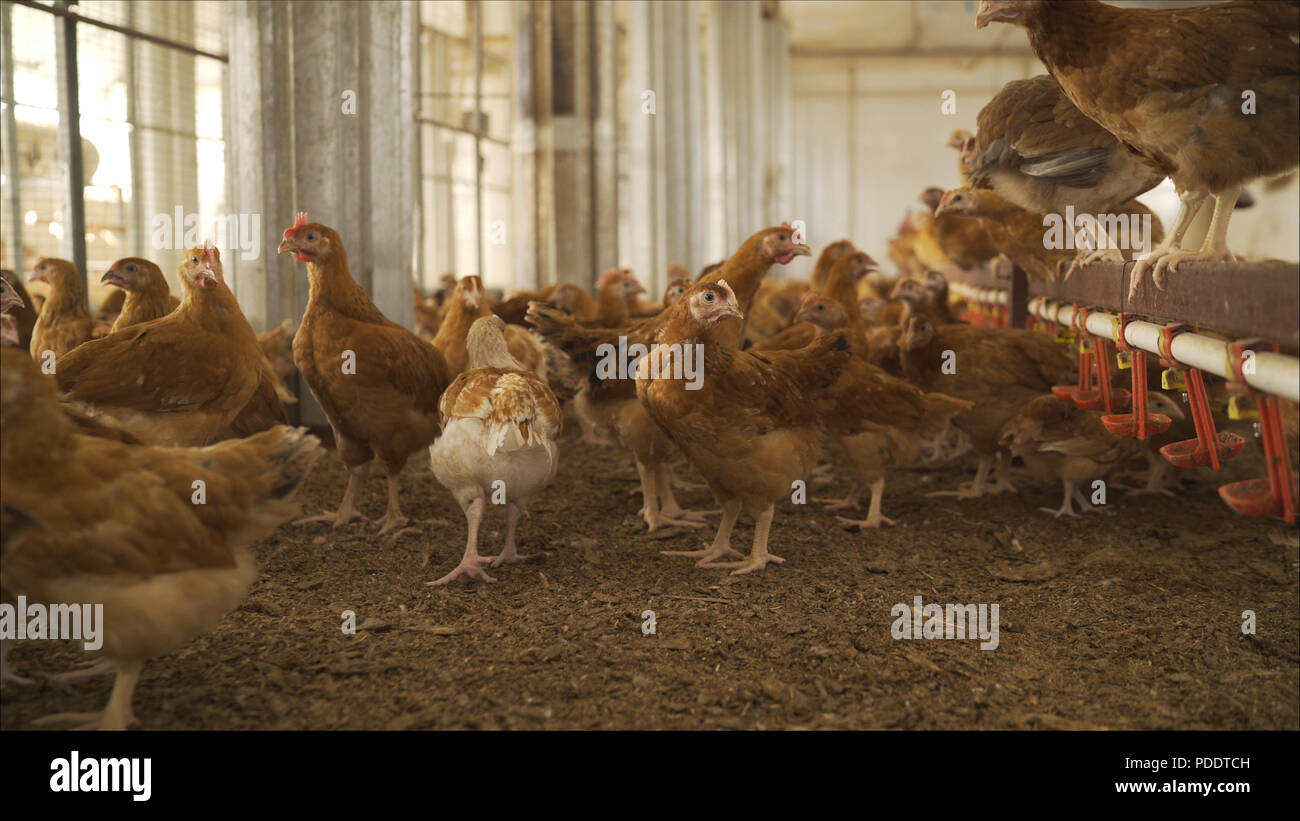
1064 335
1173 379
1242 409
1086 346
1124 360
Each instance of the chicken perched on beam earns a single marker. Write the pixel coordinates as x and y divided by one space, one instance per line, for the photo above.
753 426
147 294
378 383
1039 151
91 519
1209 96
499 423
180 379
63 323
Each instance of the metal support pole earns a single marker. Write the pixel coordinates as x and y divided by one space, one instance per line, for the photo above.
74 210
10 126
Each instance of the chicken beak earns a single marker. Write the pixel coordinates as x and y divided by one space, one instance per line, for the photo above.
731 310
995 11
802 250
286 244
36 276
204 278
111 277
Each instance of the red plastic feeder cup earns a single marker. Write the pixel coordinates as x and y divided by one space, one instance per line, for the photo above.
1275 495
1139 424
1084 386
1210 448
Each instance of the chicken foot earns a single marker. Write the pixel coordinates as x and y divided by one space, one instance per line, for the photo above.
1066 509
851 502
509 554
972 489
393 518
759 558
1215 246
471 564
117 715
347 511
1189 205
721 547
669 510
651 511
874 517
1101 252
90 669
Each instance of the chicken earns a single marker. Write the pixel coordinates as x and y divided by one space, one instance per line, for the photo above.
1056 439
377 382
616 292
467 303
964 143
880 421
943 241
841 285
64 323
10 304
499 423
608 403
146 293
23 316
1208 96
754 425
177 380
1015 232
774 306
89 519
997 369
826 259
107 313
1041 153
277 345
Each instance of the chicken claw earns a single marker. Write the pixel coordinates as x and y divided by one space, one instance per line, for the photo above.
468 570
754 562
707 555
872 520
336 519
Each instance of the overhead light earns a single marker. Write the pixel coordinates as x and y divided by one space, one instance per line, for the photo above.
30 218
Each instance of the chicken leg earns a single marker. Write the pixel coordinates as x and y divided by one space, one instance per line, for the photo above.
1215 246
721 546
117 715
393 517
851 502
1066 509
1189 205
973 489
509 554
669 510
874 517
759 558
347 511
470 567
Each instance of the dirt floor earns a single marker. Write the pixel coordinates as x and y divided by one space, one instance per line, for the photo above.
1128 619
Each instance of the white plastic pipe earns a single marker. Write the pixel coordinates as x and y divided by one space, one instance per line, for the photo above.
994 296
1275 373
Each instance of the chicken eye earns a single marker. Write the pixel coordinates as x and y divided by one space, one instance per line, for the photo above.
195 260
130 267
708 297
311 237
781 237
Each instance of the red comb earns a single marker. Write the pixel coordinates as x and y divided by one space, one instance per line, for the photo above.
297 223
209 251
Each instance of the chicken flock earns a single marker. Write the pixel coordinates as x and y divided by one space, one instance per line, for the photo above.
170 414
